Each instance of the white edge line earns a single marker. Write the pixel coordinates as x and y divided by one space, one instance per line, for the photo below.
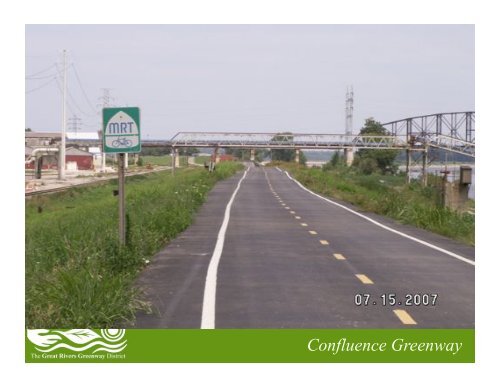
208 311
385 226
277 168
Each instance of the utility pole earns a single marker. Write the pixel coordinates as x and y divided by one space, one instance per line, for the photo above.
62 150
106 98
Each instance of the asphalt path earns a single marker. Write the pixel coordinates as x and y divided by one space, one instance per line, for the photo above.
263 252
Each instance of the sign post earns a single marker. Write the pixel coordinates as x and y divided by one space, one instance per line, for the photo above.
121 134
122 227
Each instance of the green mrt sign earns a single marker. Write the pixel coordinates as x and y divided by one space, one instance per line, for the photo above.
121 132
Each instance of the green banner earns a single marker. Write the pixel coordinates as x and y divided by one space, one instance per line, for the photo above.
257 346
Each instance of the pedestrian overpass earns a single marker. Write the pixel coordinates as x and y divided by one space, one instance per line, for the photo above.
454 132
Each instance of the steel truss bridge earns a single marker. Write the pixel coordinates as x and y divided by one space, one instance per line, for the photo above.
454 132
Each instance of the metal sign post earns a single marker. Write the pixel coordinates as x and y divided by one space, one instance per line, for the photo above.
121 134
121 198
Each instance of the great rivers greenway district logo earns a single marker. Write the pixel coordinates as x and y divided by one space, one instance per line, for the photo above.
77 344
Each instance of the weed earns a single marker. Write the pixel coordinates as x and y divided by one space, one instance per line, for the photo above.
389 196
77 273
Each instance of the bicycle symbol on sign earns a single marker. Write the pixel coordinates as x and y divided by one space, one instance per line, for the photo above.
121 142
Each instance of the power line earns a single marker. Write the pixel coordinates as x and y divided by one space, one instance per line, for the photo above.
39 87
75 103
43 77
70 106
42 71
83 90
72 99
60 90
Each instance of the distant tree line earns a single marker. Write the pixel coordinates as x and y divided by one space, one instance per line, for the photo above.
369 161
159 151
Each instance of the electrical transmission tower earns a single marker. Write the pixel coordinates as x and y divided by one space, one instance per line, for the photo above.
349 109
106 98
74 123
106 102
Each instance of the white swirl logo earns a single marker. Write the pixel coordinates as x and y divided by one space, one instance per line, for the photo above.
110 340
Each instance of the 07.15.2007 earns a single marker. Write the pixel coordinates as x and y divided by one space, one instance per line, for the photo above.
391 299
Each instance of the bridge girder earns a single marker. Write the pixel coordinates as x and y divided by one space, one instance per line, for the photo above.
454 132
458 125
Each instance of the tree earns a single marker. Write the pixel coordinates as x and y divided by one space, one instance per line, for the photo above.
367 165
286 155
302 158
189 151
240 154
336 159
367 159
155 151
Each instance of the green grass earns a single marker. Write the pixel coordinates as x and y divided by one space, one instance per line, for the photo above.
77 274
201 159
165 160
390 196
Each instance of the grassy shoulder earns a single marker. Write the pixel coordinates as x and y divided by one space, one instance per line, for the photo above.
166 160
389 196
77 274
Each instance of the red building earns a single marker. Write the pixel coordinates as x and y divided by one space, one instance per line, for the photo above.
82 159
223 157
76 159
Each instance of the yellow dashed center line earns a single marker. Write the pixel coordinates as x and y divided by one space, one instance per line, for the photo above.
364 279
313 232
303 224
324 242
339 256
404 317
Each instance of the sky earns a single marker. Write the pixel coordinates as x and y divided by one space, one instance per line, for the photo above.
247 78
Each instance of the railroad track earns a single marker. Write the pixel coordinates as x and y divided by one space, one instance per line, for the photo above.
103 181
